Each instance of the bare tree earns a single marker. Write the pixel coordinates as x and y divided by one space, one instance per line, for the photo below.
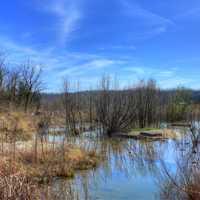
115 110
3 73
184 182
30 85
178 104
12 85
147 103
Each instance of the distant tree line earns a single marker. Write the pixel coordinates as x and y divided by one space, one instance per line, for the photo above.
114 109
109 107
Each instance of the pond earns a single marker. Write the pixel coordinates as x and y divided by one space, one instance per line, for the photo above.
130 170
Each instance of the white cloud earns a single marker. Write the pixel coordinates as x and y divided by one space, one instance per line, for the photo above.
150 71
154 23
189 13
133 9
168 73
169 78
99 63
137 70
68 14
174 81
56 63
118 47
85 66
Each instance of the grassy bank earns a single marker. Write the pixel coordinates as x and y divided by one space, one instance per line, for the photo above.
26 162
44 164
165 133
21 126
17 124
26 170
144 129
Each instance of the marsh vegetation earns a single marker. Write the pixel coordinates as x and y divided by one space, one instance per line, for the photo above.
45 139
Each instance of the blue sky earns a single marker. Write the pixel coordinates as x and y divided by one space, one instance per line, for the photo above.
83 39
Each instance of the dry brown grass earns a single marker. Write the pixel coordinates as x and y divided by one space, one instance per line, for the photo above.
169 133
17 186
49 162
27 123
17 124
21 175
24 165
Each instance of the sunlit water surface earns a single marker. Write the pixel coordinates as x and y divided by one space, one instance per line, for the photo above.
131 170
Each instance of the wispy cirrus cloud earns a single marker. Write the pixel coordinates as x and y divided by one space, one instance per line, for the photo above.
174 81
88 68
189 13
152 71
118 47
134 9
166 78
153 22
68 15
57 64
136 70
100 63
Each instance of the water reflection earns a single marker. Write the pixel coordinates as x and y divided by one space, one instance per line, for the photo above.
130 169
183 183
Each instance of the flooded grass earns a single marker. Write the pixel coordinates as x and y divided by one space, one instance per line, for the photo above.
104 168
48 162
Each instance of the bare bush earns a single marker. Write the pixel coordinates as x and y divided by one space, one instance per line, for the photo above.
148 103
115 110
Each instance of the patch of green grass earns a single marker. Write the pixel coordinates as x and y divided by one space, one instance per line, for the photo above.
144 129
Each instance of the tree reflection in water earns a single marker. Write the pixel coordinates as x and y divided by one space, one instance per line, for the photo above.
175 166
183 182
128 157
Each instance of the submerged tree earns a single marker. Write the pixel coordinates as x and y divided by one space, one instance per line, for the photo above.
115 110
73 111
178 104
182 182
148 104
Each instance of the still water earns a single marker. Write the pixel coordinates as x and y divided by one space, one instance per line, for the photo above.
130 170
